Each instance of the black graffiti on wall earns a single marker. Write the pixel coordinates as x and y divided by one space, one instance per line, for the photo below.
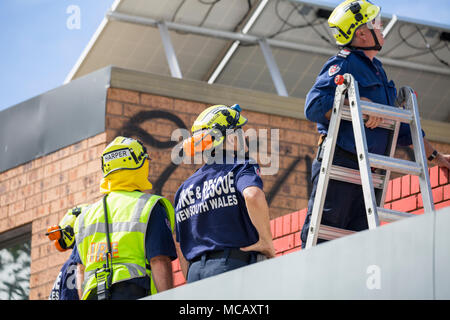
132 128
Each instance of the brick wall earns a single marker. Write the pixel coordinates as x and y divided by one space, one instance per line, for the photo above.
40 192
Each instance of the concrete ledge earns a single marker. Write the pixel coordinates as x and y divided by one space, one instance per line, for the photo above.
408 259
206 93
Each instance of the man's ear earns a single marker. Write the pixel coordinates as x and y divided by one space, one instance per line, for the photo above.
361 33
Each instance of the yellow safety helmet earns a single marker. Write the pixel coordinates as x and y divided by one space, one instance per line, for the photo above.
349 16
123 154
211 126
62 234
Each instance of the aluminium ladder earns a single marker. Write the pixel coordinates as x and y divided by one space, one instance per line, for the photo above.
374 185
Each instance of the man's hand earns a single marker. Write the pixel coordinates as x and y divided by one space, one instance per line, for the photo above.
263 246
371 122
443 160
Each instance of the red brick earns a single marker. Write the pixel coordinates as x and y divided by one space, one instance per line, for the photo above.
272 228
286 224
418 211
123 95
178 279
447 192
302 217
278 227
16 207
297 240
176 265
292 250
415 184
284 243
406 182
389 192
442 205
157 101
434 176
295 221
114 107
406 204
443 176
437 196
396 188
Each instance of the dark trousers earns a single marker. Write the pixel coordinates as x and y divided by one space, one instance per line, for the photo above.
126 290
344 203
211 264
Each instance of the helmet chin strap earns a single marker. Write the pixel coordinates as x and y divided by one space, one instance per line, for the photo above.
376 47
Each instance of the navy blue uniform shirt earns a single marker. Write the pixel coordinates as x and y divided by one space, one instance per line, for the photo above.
210 210
64 287
373 84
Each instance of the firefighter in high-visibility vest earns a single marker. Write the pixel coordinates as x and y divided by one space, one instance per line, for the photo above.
63 237
125 240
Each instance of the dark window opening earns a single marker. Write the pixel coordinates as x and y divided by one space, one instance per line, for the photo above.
15 258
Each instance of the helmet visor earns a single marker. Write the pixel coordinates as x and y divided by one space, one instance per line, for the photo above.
376 24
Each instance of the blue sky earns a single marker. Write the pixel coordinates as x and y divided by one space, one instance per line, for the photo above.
39 48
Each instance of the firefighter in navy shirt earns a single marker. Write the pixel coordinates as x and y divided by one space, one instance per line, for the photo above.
357 28
221 214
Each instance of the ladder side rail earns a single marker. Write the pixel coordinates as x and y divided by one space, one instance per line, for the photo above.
362 153
419 149
389 215
324 175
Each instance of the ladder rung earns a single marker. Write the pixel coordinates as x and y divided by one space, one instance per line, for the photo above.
386 124
353 176
389 215
386 112
393 164
331 233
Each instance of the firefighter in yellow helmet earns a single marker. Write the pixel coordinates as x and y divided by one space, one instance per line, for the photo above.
357 28
222 217
125 240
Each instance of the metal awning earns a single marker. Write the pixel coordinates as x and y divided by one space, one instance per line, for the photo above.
275 46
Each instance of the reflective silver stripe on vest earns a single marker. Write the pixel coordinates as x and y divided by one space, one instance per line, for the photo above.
132 268
142 201
81 223
129 226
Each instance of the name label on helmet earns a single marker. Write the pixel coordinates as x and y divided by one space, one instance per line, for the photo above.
118 154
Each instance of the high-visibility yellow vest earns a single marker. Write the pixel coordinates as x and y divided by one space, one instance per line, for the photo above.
128 216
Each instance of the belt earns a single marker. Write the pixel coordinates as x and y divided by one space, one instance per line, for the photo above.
344 153
233 254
